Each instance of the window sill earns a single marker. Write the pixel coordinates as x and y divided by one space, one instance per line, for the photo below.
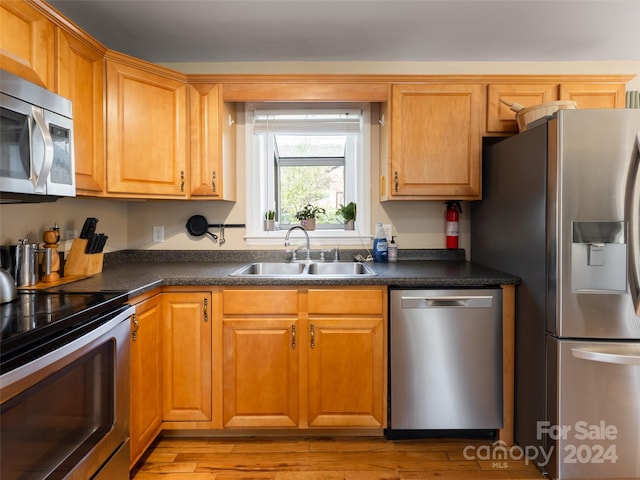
317 237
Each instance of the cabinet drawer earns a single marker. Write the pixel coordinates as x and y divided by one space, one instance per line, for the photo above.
260 302
346 301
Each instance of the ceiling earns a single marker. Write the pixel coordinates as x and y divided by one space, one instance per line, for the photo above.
170 31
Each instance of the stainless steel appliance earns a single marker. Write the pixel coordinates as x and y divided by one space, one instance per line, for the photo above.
445 362
36 143
64 386
560 209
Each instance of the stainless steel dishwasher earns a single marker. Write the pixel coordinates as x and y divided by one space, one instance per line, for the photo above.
445 363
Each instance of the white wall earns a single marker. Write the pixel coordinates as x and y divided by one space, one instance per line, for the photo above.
129 224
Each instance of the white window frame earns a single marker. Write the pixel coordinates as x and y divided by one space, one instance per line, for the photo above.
259 179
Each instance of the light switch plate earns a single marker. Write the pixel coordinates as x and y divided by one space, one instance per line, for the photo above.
387 230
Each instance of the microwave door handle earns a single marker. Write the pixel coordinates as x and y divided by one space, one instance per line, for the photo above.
603 356
40 180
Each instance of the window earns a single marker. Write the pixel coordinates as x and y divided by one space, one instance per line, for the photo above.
307 154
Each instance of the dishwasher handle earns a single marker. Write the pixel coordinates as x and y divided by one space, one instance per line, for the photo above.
456 301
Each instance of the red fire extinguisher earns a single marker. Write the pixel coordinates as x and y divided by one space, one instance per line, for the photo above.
452 224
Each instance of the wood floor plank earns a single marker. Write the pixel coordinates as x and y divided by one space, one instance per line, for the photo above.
323 458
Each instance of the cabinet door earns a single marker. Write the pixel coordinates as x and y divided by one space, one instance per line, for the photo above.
435 142
346 372
187 356
146 132
213 140
146 376
593 95
27 45
260 372
500 118
80 72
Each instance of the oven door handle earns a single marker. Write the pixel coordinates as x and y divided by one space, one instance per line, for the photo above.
40 178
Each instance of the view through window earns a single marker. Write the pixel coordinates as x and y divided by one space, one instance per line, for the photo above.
311 160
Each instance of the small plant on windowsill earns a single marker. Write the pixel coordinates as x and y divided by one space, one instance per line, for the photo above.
270 220
348 212
308 215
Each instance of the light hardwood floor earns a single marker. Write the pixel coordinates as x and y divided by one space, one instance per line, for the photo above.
323 458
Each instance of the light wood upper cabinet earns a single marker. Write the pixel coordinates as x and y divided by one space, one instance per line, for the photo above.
213 144
146 130
27 43
594 95
435 143
187 356
80 74
146 375
500 118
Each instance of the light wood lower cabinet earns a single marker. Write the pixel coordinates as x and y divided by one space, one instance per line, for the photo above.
261 372
300 358
146 375
187 356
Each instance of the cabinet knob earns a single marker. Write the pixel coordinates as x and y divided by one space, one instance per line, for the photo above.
205 312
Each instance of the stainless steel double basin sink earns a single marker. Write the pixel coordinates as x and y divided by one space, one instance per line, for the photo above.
304 269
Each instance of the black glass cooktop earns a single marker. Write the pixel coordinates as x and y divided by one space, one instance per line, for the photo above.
37 317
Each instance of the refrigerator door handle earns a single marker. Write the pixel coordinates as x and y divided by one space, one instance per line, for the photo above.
621 355
633 205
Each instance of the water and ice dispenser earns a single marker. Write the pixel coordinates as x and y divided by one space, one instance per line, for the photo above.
599 257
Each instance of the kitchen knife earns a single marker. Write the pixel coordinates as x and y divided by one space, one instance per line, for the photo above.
91 244
89 227
102 239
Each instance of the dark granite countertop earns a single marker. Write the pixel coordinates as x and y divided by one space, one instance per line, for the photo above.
140 271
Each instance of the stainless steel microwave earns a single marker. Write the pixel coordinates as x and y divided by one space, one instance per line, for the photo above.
36 143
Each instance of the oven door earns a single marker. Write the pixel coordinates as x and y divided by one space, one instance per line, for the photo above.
66 414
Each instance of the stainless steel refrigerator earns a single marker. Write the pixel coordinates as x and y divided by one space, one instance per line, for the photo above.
560 209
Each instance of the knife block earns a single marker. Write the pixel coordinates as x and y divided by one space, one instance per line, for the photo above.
79 263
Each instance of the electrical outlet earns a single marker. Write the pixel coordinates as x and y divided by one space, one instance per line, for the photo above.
387 230
158 234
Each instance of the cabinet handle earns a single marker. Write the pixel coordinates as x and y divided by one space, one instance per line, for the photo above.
213 181
136 326
313 336
396 180
293 336
182 181
206 314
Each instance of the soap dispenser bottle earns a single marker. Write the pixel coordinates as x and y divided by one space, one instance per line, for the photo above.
380 248
393 250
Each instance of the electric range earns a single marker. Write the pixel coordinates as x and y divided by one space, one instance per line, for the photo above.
39 321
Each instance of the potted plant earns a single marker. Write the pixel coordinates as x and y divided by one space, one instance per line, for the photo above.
348 212
308 215
269 220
